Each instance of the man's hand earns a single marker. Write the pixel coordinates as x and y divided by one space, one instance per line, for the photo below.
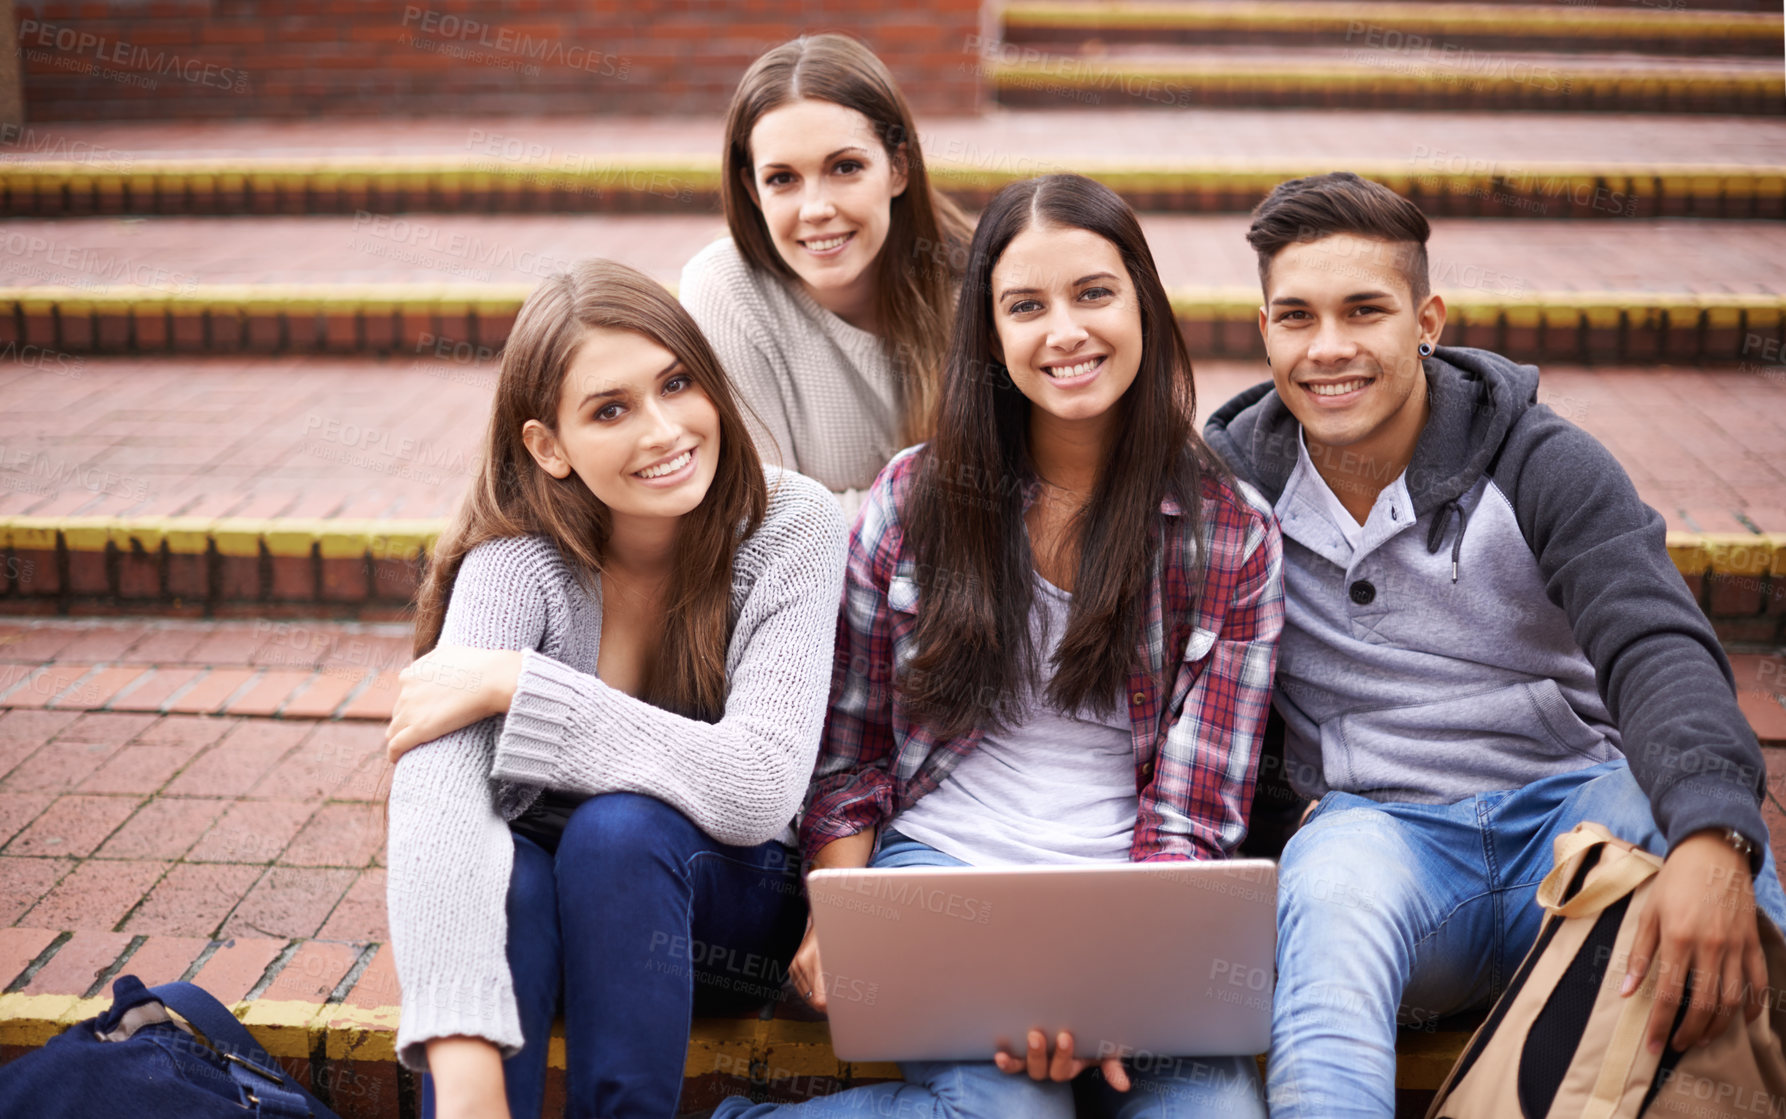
1700 921
1061 1065
450 688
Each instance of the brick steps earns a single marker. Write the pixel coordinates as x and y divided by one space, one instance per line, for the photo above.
1429 31
1444 186
1739 575
312 487
171 455
1209 161
1166 78
58 325
1663 291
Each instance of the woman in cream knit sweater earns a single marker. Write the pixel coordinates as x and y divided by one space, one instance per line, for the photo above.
829 304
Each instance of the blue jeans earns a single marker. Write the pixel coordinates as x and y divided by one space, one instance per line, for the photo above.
1164 1088
1408 912
657 917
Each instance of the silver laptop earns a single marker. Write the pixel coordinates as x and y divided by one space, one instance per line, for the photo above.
954 963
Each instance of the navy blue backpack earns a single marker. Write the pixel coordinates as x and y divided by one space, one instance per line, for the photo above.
154 1068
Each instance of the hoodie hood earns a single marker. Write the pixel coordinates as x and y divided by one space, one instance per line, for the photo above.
1475 398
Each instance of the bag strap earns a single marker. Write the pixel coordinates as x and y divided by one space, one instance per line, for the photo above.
1609 882
267 1091
1621 1054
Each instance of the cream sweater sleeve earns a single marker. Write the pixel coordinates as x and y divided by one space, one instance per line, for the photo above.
740 779
450 851
721 308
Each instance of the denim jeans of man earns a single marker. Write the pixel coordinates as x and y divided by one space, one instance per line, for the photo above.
638 918
1413 912
1163 1088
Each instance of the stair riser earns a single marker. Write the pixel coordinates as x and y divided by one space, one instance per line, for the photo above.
58 334
1441 193
1041 89
1069 39
1747 608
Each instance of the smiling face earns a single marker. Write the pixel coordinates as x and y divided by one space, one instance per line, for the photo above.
633 426
1067 322
1342 331
825 184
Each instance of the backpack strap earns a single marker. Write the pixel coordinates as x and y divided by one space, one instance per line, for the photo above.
1622 1051
267 1092
1621 870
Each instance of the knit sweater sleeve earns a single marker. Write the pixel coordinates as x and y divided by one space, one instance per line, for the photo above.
717 291
740 779
450 851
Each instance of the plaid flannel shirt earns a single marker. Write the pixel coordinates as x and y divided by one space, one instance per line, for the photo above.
1196 721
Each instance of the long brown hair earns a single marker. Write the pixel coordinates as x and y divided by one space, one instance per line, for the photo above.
918 265
513 496
965 521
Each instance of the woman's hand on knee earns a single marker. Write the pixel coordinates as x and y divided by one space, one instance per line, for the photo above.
804 971
1060 1064
450 688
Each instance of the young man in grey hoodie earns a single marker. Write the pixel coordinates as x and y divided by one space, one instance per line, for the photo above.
1485 644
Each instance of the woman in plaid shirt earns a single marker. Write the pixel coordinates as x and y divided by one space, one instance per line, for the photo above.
1059 628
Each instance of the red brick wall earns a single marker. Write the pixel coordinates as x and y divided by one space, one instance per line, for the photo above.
198 59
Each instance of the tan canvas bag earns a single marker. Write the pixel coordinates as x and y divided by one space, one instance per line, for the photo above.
1562 1044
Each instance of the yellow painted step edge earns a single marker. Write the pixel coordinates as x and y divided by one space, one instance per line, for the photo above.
1431 20
232 536
1237 300
151 174
288 1028
1693 553
1138 77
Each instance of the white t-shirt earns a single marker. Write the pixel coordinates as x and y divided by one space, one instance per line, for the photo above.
1055 788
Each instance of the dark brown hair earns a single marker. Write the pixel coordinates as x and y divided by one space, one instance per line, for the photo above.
1341 202
919 263
513 496
964 520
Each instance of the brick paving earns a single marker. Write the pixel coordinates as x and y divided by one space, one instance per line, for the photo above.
1469 256
243 852
1020 140
270 857
238 669
353 437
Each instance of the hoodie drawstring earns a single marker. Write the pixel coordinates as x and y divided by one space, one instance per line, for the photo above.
1436 535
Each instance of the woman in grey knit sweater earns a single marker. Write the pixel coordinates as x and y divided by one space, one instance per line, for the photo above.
830 302
628 632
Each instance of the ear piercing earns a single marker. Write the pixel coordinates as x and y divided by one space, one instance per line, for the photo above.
1426 349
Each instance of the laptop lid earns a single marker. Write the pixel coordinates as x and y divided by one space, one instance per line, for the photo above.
954 963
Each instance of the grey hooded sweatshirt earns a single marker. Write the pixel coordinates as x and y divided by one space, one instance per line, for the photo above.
1509 613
